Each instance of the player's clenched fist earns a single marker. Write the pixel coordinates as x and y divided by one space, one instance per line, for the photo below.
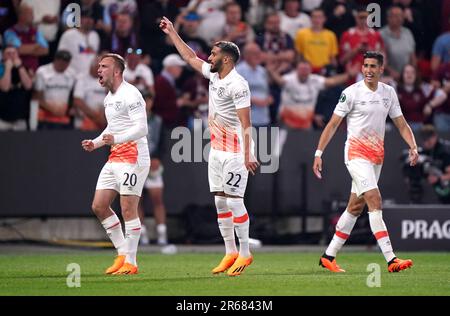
87 145
165 25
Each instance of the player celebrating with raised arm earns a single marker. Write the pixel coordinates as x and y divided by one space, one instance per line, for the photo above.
366 105
231 156
128 163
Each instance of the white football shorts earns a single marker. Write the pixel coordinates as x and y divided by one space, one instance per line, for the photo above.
365 175
227 172
155 179
125 178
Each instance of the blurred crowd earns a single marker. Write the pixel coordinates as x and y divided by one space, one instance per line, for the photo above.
296 55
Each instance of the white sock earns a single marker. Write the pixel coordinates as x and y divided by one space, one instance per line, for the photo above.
241 224
161 231
344 227
132 233
144 235
225 221
113 229
379 230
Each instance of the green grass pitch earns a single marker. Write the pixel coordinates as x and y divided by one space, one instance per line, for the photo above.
271 274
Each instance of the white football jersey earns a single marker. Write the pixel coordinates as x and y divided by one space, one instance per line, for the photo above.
226 96
125 111
366 113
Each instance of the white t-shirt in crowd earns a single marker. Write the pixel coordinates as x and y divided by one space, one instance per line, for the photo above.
56 86
91 92
293 25
83 47
142 71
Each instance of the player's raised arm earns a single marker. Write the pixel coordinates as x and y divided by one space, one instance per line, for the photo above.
185 51
325 138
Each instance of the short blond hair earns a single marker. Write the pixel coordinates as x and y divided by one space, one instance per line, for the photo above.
118 60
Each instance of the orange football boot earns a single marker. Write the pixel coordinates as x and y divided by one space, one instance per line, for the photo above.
226 262
127 268
397 265
330 265
239 265
118 263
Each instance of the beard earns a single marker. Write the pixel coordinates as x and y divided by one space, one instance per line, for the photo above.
217 66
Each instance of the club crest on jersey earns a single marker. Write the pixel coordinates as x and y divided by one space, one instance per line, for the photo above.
221 91
117 105
386 102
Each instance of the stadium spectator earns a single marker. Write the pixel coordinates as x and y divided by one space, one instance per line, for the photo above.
46 19
399 43
258 80
29 42
153 40
326 101
236 30
359 39
339 15
441 117
54 84
83 43
300 89
259 10
123 36
278 50
167 102
438 172
187 25
292 19
15 92
194 93
414 21
364 154
116 7
418 99
441 51
277 46
88 99
137 73
212 18
316 44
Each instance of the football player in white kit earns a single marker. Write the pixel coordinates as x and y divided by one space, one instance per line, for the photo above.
128 163
366 104
231 156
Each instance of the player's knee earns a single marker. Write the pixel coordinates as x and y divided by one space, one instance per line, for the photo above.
373 199
99 209
356 208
